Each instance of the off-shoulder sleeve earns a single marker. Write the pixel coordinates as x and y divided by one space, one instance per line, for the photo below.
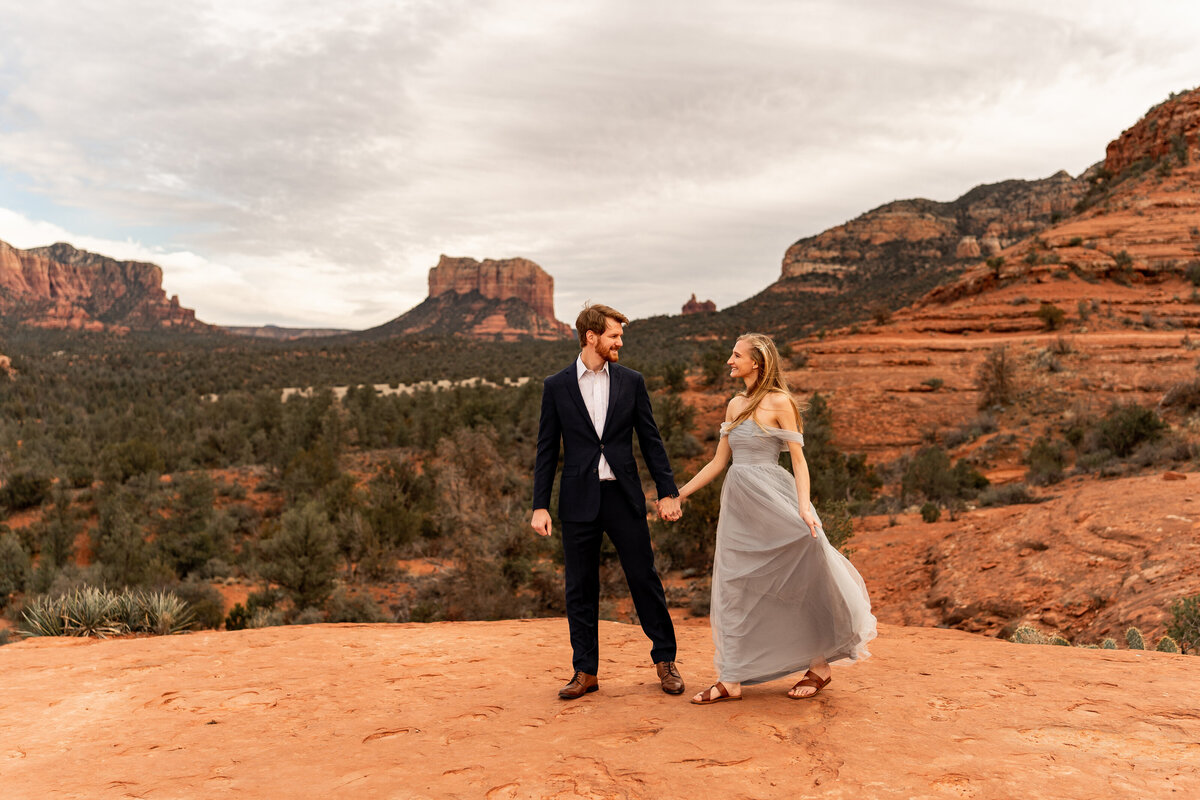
726 427
790 436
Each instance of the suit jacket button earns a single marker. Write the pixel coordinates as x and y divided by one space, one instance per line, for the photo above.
601 447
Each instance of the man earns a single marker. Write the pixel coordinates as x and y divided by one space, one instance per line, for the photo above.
594 406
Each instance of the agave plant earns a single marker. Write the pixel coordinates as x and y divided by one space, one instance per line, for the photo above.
44 617
165 613
91 612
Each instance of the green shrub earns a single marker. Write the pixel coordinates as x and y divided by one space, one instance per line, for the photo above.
1051 316
996 379
1135 640
359 607
1046 459
838 525
302 556
1192 272
1058 640
14 567
1184 395
1108 644
1126 426
1009 494
1185 622
930 512
206 603
933 383
24 490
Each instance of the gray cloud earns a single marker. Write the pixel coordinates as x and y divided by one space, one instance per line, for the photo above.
323 156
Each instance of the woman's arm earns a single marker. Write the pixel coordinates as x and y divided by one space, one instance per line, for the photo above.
719 461
711 470
783 417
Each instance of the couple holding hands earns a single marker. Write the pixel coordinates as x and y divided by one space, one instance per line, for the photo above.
784 600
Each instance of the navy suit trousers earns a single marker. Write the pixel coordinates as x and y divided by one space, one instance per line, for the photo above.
630 535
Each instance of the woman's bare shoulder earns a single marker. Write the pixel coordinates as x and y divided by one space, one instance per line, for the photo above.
777 400
736 404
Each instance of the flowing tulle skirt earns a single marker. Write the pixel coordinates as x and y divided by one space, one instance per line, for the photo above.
781 599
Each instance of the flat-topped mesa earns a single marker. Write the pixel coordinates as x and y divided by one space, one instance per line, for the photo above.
1170 129
501 279
62 287
498 300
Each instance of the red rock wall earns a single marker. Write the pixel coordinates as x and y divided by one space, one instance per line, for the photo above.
1157 134
61 287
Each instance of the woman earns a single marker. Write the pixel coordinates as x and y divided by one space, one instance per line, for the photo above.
784 600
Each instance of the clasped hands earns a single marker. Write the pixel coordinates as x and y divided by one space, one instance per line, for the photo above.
669 509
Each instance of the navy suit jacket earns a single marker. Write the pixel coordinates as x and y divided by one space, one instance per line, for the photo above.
565 418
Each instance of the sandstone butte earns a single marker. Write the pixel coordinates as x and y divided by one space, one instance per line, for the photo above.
62 287
469 710
505 299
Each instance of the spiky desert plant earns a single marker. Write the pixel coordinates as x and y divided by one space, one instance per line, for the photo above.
130 612
43 617
165 613
1108 644
1028 635
1135 640
90 612
1167 645
1058 640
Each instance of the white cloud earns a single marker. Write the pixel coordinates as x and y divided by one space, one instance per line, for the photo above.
325 155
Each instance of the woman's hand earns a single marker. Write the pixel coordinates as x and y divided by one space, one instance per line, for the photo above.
810 520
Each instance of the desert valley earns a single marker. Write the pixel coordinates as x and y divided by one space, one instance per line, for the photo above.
1004 428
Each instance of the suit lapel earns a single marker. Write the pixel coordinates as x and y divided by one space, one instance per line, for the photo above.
572 378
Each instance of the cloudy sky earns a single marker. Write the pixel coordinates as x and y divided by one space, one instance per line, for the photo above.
305 163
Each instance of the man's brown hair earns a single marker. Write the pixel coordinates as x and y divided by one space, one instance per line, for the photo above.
595 318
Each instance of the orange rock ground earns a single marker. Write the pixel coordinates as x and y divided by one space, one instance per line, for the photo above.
1094 559
468 710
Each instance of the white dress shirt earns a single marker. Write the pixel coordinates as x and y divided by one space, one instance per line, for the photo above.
594 388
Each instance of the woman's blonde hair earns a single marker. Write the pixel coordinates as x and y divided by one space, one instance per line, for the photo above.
770 378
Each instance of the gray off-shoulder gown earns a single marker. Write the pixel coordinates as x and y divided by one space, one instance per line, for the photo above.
781 599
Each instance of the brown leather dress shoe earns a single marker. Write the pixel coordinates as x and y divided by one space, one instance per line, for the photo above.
580 685
672 683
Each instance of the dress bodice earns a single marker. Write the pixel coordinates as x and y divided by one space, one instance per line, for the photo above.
754 444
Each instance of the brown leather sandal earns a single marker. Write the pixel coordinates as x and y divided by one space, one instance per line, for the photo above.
810 679
722 695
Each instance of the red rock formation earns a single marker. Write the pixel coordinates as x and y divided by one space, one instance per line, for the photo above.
496 280
1168 129
923 234
508 299
62 287
694 306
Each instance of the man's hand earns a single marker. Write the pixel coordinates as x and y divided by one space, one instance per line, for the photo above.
541 521
669 509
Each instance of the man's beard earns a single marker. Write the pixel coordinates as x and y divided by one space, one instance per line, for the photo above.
608 354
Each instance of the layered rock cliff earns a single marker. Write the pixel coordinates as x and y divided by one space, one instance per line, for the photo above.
505 299
62 287
910 236
1169 129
